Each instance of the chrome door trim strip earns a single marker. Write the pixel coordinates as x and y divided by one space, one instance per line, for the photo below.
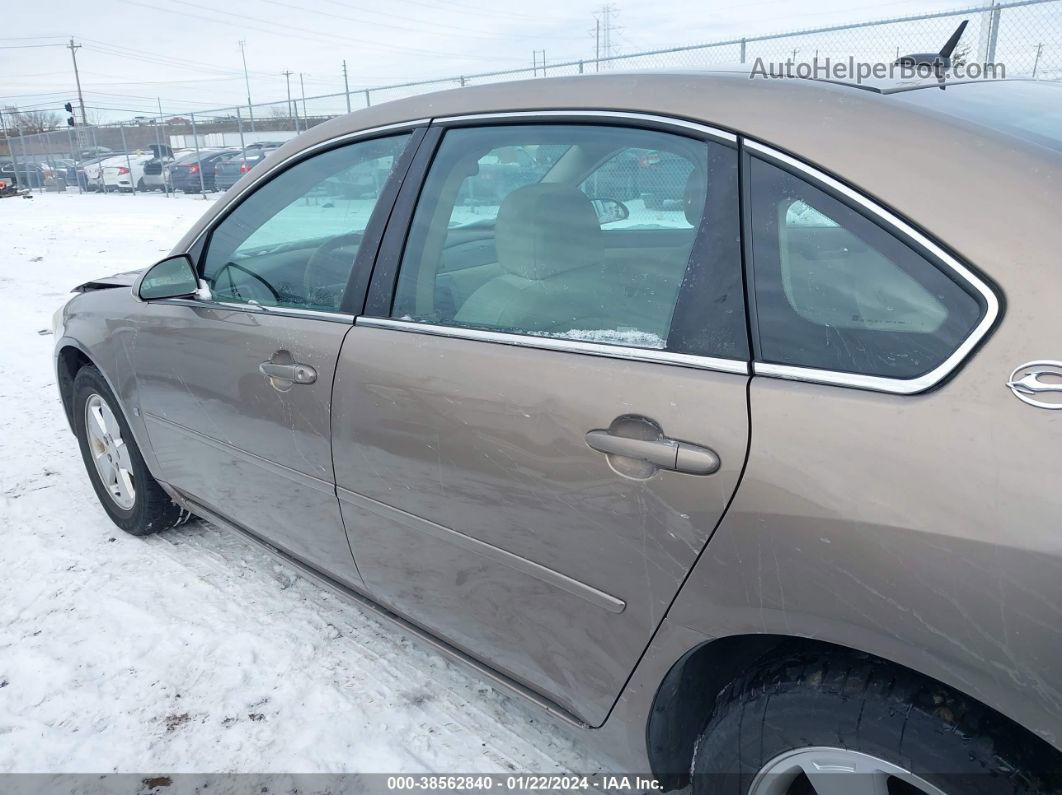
351 593
541 573
308 481
898 386
532 115
259 309
557 344
299 155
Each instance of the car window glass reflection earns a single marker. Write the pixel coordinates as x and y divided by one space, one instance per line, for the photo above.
292 243
572 231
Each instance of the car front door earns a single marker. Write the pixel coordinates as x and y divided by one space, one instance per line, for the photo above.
542 415
236 389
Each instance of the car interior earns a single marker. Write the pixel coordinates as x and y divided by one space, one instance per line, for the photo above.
534 256
546 264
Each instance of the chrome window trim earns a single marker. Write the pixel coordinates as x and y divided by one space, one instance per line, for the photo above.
898 386
562 345
349 137
259 309
532 115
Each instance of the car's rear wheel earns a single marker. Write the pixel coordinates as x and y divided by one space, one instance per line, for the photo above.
128 493
852 724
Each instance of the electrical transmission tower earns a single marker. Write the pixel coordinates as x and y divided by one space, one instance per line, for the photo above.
603 29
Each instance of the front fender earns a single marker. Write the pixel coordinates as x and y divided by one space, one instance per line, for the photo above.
101 326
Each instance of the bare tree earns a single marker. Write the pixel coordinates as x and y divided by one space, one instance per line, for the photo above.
28 122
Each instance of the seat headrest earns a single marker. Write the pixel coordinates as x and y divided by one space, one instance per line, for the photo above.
546 229
695 196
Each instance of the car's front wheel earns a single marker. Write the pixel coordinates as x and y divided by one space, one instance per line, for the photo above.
851 724
128 493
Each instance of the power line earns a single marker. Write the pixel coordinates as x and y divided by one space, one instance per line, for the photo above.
431 26
289 31
26 46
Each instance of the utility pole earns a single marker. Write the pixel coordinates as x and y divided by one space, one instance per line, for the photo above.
305 117
77 79
287 79
160 132
346 85
597 45
247 82
1036 63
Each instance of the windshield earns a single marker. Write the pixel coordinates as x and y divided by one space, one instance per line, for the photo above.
1026 109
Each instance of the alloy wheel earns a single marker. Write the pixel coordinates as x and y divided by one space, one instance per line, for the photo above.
836 771
109 452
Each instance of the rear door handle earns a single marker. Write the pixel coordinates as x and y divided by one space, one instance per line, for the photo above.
664 453
296 373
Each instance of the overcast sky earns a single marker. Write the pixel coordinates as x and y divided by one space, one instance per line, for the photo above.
187 51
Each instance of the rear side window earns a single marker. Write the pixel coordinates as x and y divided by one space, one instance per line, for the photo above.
579 232
836 291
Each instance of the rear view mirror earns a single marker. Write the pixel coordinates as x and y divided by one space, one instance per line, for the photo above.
173 277
610 210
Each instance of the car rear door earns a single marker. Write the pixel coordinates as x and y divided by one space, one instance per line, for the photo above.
531 452
236 389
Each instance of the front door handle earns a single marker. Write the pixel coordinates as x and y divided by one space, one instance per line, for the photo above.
662 453
295 373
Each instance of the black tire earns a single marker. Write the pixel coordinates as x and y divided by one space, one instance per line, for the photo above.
865 704
152 509
140 185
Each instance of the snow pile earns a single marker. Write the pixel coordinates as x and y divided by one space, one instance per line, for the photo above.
192 650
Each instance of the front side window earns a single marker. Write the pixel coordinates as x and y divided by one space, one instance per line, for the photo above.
836 291
292 243
581 232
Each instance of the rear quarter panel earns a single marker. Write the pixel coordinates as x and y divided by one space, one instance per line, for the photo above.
925 529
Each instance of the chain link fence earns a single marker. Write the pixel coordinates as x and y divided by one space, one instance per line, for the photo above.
1023 35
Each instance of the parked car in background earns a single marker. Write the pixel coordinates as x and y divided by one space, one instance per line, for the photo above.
119 173
227 170
185 172
27 174
67 167
93 152
122 173
154 167
154 172
52 177
761 496
91 172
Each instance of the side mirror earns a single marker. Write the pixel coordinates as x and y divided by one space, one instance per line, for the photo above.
610 210
173 277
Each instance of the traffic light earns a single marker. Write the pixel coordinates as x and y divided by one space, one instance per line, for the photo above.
69 108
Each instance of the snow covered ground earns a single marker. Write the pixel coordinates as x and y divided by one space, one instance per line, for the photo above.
189 651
